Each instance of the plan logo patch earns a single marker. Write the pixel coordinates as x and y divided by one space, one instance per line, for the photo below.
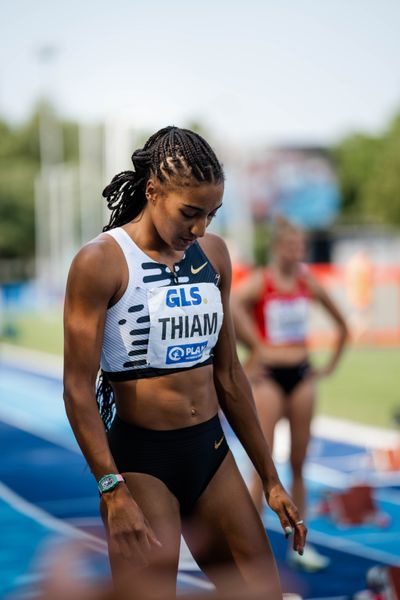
185 353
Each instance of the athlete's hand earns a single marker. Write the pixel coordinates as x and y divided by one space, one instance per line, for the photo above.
256 365
261 354
129 533
291 522
320 372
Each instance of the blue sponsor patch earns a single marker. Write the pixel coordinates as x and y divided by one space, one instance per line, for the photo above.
185 353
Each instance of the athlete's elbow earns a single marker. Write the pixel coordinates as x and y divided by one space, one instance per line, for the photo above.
76 393
344 331
71 401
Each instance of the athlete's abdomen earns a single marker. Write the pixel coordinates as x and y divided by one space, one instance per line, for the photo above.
170 401
286 355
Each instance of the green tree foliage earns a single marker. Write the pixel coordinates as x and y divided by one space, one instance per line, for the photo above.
19 163
381 191
19 166
354 158
17 225
368 170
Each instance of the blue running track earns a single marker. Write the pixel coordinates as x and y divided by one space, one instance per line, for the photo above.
47 494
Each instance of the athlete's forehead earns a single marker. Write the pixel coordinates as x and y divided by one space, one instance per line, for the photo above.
202 198
200 209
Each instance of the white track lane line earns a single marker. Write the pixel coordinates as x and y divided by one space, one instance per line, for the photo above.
341 544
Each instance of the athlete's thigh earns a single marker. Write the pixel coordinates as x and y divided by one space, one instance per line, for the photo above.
270 404
300 412
226 536
161 509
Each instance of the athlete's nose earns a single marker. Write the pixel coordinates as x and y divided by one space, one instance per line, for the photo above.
199 227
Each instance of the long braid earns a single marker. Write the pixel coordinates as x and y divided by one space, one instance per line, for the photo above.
171 155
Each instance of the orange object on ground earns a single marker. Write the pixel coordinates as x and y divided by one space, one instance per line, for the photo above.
387 459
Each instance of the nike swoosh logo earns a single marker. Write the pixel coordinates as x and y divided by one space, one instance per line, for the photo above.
217 444
198 269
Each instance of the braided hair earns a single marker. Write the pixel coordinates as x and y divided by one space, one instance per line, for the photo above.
173 156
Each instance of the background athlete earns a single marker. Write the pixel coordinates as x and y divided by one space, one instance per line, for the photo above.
149 301
271 308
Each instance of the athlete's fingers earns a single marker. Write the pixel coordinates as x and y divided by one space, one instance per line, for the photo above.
130 549
278 502
143 541
300 534
153 539
125 548
117 544
285 521
289 517
299 528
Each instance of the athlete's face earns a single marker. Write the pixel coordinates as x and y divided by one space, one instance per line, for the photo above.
182 214
291 248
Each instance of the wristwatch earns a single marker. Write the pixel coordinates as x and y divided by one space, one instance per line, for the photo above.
109 482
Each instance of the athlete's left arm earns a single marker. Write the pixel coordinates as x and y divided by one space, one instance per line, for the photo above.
236 400
320 295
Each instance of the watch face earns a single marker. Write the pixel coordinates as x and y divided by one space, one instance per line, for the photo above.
107 482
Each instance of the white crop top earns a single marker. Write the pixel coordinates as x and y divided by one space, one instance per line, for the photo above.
165 321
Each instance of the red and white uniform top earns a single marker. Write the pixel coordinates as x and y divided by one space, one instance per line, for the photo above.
281 316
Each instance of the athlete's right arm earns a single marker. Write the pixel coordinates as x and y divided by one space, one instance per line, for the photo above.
94 278
243 298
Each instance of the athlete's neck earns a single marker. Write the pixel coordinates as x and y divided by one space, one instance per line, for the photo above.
286 269
145 235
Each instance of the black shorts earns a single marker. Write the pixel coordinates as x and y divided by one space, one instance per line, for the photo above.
184 459
288 377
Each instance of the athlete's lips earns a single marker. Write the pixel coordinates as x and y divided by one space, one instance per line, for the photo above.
187 240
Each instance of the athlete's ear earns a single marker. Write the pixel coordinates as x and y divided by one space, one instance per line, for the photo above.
150 191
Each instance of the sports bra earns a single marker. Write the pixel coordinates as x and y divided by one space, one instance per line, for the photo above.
282 317
166 321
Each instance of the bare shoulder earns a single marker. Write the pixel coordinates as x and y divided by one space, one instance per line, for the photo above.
216 250
96 266
314 287
100 252
251 288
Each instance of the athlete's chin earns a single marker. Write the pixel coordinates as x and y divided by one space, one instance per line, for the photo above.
182 243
